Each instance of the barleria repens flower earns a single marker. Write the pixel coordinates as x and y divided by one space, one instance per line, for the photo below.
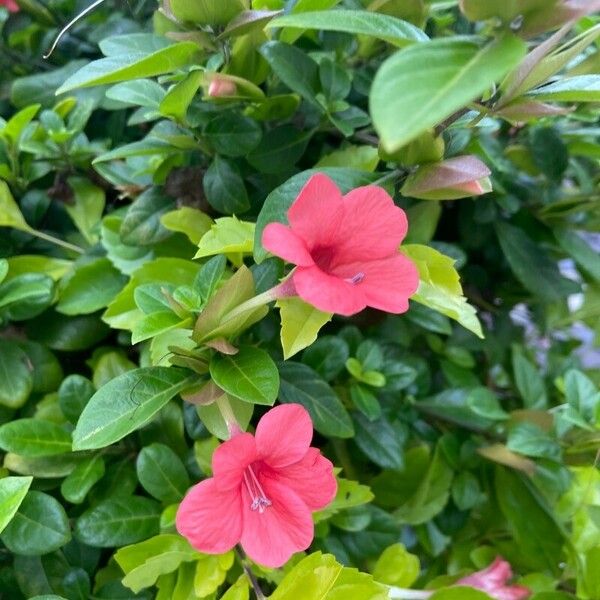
493 580
263 491
345 248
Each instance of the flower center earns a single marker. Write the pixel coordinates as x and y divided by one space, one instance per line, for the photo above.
259 498
356 279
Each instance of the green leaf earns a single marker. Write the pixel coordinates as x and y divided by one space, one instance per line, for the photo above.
280 150
585 256
73 394
431 495
250 375
327 356
141 225
359 22
125 404
39 526
12 492
92 286
281 198
530 521
380 441
34 437
396 566
299 383
439 286
224 187
16 380
531 440
118 521
178 99
162 473
80 481
232 134
349 495
300 324
362 158
213 420
132 65
10 215
294 67
583 88
532 266
25 296
87 208
530 382
145 562
227 235
443 76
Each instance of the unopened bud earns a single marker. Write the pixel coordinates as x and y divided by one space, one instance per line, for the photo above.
221 87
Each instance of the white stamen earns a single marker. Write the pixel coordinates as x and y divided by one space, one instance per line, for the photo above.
356 279
259 499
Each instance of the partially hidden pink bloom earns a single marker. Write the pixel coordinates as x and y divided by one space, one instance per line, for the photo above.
345 248
263 491
493 581
220 86
11 5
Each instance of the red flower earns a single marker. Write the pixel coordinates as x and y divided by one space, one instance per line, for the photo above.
11 5
263 491
493 579
345 248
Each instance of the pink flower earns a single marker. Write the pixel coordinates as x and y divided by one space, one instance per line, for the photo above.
345 248
263 491
11 5
493 579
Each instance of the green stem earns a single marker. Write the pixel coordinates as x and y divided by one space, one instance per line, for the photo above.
57 241
228 416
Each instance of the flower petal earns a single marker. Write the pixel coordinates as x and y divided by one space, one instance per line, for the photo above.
283 242
271 537
312 479
211 520
317 212
328 292
283 435
388 283
231 458
373 226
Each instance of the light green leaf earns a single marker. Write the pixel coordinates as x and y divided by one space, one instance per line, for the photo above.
145 562
10 215
431 81
12 493
383 27
300 324
439 286
125 404
227 235
396 566
87 209
349 494
132 65
583 88
362 158
177 100
189 221
16 380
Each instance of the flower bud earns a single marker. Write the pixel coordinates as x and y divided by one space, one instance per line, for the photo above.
220 87
450 179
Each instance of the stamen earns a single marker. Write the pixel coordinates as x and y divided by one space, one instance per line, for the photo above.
259 498
356 279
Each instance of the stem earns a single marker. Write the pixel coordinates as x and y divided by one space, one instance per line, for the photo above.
281 290
228 416
57 241
250 575
404 594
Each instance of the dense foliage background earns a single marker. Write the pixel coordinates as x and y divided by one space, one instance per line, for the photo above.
123 158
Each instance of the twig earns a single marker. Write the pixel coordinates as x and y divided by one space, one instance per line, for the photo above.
250 575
